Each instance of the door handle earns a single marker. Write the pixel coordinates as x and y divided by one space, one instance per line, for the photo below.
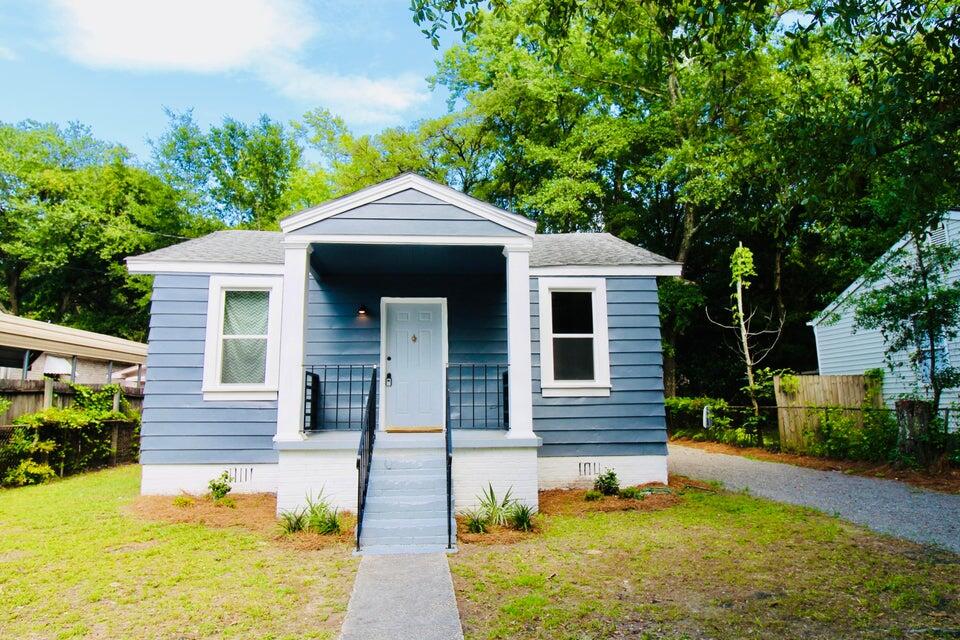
388 381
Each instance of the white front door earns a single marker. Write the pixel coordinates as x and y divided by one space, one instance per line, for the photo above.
413 365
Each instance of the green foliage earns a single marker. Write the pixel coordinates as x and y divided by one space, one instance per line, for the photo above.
496 510
592 495
293 521
182 501
520 517
789 383
477 520
28 471
632 493
607 483
320 517
839 434
915 305
219 486
65 440
73 207
4 405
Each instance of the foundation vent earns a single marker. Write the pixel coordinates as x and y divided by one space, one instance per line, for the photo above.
239 475
589 469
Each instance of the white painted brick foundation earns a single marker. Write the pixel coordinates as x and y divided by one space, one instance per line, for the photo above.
580 472
307 473
171 479
504 468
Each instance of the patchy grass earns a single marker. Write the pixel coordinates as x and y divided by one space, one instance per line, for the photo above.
77 562
946 479
712 565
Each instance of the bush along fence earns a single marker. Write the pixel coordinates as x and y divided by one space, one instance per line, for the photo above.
863 429
99 428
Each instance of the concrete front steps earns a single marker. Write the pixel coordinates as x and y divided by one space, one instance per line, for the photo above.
406 511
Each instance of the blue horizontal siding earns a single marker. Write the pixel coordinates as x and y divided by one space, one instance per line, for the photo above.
179 427
630 421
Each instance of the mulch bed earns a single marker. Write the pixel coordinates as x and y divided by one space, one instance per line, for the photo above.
571 502
947 480
256 512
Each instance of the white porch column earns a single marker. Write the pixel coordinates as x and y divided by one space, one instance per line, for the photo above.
296 272
518 342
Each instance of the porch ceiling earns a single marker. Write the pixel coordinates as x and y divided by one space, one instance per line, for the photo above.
346 259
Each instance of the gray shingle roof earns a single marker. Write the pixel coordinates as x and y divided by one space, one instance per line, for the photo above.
549 250
589 249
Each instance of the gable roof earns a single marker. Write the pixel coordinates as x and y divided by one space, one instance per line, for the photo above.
265 248
407 182
953 216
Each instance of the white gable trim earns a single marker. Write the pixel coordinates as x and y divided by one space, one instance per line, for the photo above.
862 280
674 269
402 183
135 265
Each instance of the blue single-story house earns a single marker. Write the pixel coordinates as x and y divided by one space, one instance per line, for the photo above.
843 349
350 352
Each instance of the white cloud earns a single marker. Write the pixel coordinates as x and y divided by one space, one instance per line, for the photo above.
360 99
262 37
7 54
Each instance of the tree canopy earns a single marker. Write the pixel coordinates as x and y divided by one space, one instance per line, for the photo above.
817 133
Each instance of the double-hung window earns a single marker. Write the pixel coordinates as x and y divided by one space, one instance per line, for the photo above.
574 350
241 356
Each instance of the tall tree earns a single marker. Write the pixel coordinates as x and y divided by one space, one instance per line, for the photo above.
236 172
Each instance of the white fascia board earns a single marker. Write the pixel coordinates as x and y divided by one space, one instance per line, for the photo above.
499 241
674 269
451 196
160 266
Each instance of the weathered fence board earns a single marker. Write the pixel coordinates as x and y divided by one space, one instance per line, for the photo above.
797 412
26 396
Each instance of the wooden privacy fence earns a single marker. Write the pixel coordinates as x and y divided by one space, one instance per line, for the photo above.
799 408
30 396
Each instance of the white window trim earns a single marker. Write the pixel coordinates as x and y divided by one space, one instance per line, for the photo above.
600 386
213 389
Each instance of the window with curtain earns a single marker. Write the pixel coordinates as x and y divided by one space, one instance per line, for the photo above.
573 335
244 337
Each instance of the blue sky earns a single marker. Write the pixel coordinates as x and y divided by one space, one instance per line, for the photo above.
115 64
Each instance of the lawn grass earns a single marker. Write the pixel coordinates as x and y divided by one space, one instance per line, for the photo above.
74 563
716 565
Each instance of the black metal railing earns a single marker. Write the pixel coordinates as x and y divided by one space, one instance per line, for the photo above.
448 435
335 396
365 450
478 395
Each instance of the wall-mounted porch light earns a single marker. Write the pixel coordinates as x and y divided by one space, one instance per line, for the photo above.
362 311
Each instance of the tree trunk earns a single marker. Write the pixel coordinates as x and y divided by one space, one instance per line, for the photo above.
669 363
778 282
13 290
916 438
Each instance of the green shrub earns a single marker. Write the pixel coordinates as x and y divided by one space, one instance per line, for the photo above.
28 472
495 510
321 517
182 501
607 483
789 383
592 495
632 493
477 521
520 517
220 486
293 521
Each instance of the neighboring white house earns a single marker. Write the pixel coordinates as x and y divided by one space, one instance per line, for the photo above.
843 350
467 348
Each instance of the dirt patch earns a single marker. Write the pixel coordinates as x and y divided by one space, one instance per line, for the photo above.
494 535
255 512
573 502
946 481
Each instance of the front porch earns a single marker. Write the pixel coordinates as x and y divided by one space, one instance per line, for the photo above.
407 366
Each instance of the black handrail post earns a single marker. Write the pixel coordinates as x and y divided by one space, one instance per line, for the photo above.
506 398
314 400
365 451
449 441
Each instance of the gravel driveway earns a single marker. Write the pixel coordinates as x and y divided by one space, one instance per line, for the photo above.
886 506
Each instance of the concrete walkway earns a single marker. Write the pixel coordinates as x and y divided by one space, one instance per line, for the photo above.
408 597
886 506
